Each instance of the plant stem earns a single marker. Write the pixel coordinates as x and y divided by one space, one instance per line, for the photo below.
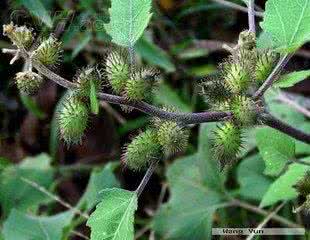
146 178
273 76
237 7
251 16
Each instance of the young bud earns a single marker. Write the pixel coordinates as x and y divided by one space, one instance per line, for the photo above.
172 137
83 80
247 40
142 150
117 70
244 110
265 63
236 77
227 144
73 117
303 185
21 36
28 82
49 52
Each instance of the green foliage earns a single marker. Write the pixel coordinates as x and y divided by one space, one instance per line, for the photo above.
189 212
20 226
276 149
142 150
290 79
128 19
282 188
18 193
253 183
37 8
113 218
32 106
287 22
99 180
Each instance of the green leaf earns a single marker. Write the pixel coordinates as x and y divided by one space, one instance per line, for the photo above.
128 19
289 80
265 41
167 96
113 218
253 183
282 188
37 8
301 147
20 226
94 102
99 181
189 213
154 55
85 39
288 23
276 149
32 106
19 194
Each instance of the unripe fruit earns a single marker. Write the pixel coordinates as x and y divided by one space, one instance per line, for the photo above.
117 70
21 36
303 185
247 40
244 111
49 52
265 63
237 78
83 80
142 150
172 137
215 91
28 82
137 88
226 144
73 118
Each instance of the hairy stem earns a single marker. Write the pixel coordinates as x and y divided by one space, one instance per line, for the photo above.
251 16
236 7
146 178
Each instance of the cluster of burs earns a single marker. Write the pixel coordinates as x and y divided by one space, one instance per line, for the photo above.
240 75
160 140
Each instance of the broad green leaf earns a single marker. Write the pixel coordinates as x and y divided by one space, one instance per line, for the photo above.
189 213
113 218
289 80
37 8
20 226
32 106
167 96
265 41
99 181
94 103
288 23
253 183
128 19
209 168
282 188
153 54
276 149
19 194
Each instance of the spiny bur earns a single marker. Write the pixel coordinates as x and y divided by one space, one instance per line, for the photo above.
236 77
49 52
172 137
138 87
303 185
21 36
117 70
266 61
227 143
244 110
28 82
142 150
73 118
84 78
215 91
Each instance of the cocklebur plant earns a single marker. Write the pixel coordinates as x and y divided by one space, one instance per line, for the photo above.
303 189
